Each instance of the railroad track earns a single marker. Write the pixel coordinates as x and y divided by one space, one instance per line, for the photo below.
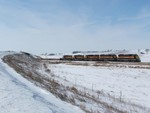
141 65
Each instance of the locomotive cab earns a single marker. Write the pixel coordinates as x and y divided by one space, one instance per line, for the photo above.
128 58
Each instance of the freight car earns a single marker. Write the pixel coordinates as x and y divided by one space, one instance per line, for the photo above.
128 58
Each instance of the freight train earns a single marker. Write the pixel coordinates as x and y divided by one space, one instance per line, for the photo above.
103 57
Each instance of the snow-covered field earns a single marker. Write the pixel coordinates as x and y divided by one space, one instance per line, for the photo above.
124 88
18 95
132 85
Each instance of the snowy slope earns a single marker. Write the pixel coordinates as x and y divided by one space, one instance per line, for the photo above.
17 95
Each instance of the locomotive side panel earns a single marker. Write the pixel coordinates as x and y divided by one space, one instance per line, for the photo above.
68 57
109 57
92 57
79 57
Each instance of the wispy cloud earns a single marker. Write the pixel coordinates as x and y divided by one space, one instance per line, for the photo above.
25 28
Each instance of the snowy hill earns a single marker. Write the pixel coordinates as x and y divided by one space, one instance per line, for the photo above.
18 95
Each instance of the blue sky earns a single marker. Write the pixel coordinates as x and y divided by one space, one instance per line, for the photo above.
40 26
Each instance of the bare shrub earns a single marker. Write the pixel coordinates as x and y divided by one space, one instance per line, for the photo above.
48 70
73 89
